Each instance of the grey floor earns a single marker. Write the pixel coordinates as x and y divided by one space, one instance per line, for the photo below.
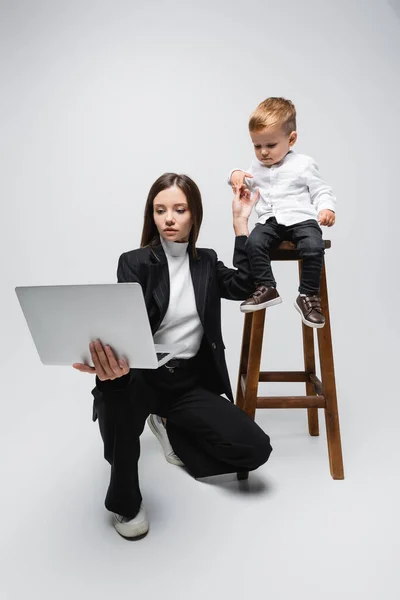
290 531
82 84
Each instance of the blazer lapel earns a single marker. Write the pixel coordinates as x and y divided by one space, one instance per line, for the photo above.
200 271
160 280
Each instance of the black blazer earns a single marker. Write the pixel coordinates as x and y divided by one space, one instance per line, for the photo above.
212 280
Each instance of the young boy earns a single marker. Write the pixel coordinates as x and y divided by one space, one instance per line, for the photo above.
293 202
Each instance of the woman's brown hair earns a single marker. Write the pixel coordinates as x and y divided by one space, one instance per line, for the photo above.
150 235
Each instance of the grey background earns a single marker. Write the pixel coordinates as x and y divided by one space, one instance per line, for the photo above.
98 99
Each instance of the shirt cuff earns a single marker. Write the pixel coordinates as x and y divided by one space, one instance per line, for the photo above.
327 205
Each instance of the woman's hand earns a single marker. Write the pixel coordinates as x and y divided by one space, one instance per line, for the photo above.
242 205
105 363
243 202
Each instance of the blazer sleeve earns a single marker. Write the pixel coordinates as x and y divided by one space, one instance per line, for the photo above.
237 283
127 272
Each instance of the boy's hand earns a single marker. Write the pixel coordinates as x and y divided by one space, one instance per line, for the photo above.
237 179
326 217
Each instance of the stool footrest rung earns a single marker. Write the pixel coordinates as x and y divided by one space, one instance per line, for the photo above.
286 377
280 376
290 402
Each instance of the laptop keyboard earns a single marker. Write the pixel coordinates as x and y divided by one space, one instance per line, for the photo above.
161 355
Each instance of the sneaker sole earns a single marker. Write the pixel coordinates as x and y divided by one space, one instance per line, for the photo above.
139 534
254 308
308 323
173 460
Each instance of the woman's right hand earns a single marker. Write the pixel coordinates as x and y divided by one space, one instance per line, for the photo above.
106 366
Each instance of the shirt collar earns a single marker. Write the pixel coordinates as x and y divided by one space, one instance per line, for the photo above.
284 159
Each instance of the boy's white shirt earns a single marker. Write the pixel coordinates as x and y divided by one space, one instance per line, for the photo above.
292 191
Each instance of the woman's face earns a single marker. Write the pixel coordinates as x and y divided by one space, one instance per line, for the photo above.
172 215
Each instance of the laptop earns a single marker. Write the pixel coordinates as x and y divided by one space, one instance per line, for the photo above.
63 319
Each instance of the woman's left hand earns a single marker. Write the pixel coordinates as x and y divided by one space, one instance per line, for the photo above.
106 365
243 202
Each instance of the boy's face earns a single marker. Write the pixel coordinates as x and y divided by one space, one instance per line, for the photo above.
272 144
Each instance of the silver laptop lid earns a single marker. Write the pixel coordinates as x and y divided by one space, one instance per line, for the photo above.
64 319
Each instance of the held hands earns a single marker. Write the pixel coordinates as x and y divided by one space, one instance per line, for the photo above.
326 217
106 366
243 202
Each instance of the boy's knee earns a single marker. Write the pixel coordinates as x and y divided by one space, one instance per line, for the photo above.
253 241
311 248
257 241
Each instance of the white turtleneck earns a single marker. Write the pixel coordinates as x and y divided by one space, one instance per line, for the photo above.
181 323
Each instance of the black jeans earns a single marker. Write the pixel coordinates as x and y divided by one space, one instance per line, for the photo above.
209 434
308 239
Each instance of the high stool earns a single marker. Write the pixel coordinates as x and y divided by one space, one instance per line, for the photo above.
320 394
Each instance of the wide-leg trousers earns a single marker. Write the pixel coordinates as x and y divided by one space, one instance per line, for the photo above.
210 435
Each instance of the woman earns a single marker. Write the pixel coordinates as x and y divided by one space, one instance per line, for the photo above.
182 286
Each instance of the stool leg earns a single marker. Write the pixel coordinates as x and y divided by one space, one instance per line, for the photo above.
250 360
244 358
309 367
329 386
253 367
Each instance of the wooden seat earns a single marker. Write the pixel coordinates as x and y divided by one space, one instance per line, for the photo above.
320 393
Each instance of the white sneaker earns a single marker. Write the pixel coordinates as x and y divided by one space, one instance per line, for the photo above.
134 528
158 428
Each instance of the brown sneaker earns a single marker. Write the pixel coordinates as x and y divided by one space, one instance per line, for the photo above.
261 298
310 309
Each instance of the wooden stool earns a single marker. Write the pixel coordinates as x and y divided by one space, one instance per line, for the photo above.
320 394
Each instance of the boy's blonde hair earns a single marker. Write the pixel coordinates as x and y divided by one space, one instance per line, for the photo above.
272 112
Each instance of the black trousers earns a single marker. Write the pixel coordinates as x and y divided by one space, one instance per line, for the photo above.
308 239
209 434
